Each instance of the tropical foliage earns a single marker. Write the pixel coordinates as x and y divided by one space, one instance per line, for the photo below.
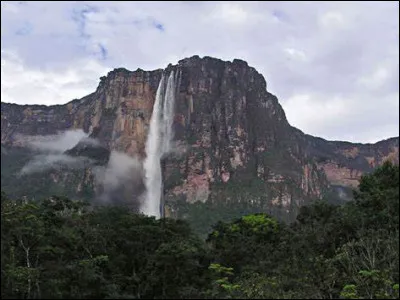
59 248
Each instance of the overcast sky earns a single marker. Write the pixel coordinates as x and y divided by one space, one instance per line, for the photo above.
334 66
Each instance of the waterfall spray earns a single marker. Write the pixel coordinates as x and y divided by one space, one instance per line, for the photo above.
158 144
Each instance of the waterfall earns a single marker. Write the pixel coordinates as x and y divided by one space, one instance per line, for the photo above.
158 144
168 114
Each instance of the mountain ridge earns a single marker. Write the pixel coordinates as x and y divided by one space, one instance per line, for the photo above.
123 69
234 145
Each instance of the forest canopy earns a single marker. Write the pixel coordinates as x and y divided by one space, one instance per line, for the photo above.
59 248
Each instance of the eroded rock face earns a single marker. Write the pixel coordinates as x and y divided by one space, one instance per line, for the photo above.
233 142
344 163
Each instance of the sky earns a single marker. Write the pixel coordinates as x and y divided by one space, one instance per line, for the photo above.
334 66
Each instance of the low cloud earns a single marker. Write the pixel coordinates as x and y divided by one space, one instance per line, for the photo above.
44 162
52 148
57 143
120 168
120 179
90 142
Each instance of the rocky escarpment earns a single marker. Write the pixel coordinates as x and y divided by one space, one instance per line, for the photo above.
234 147
344 162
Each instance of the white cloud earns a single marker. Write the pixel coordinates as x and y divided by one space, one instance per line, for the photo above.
9 7
41 163
329 117
52 148
231 13
57 143
122 172
313 115
295 54
338 50
119 169
376 79
332 19
20 84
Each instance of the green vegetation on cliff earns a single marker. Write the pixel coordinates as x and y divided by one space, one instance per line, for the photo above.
58 248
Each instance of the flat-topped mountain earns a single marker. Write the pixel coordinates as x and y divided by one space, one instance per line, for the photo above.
234 148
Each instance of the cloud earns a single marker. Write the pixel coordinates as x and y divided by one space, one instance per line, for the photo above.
159 26
332 19
231 13
329 117
328 51
44 162
25 29
119 169
123 174
58 143
20 84
52 148
295 54
90 141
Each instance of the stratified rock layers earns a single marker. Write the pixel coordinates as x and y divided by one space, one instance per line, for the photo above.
232 143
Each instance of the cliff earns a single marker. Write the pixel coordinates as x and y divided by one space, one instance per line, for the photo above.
235 150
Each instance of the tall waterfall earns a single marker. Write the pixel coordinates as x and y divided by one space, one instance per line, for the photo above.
158 144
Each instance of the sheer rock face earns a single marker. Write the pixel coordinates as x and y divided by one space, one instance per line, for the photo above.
232 140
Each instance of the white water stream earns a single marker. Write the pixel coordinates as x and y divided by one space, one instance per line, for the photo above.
158 145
